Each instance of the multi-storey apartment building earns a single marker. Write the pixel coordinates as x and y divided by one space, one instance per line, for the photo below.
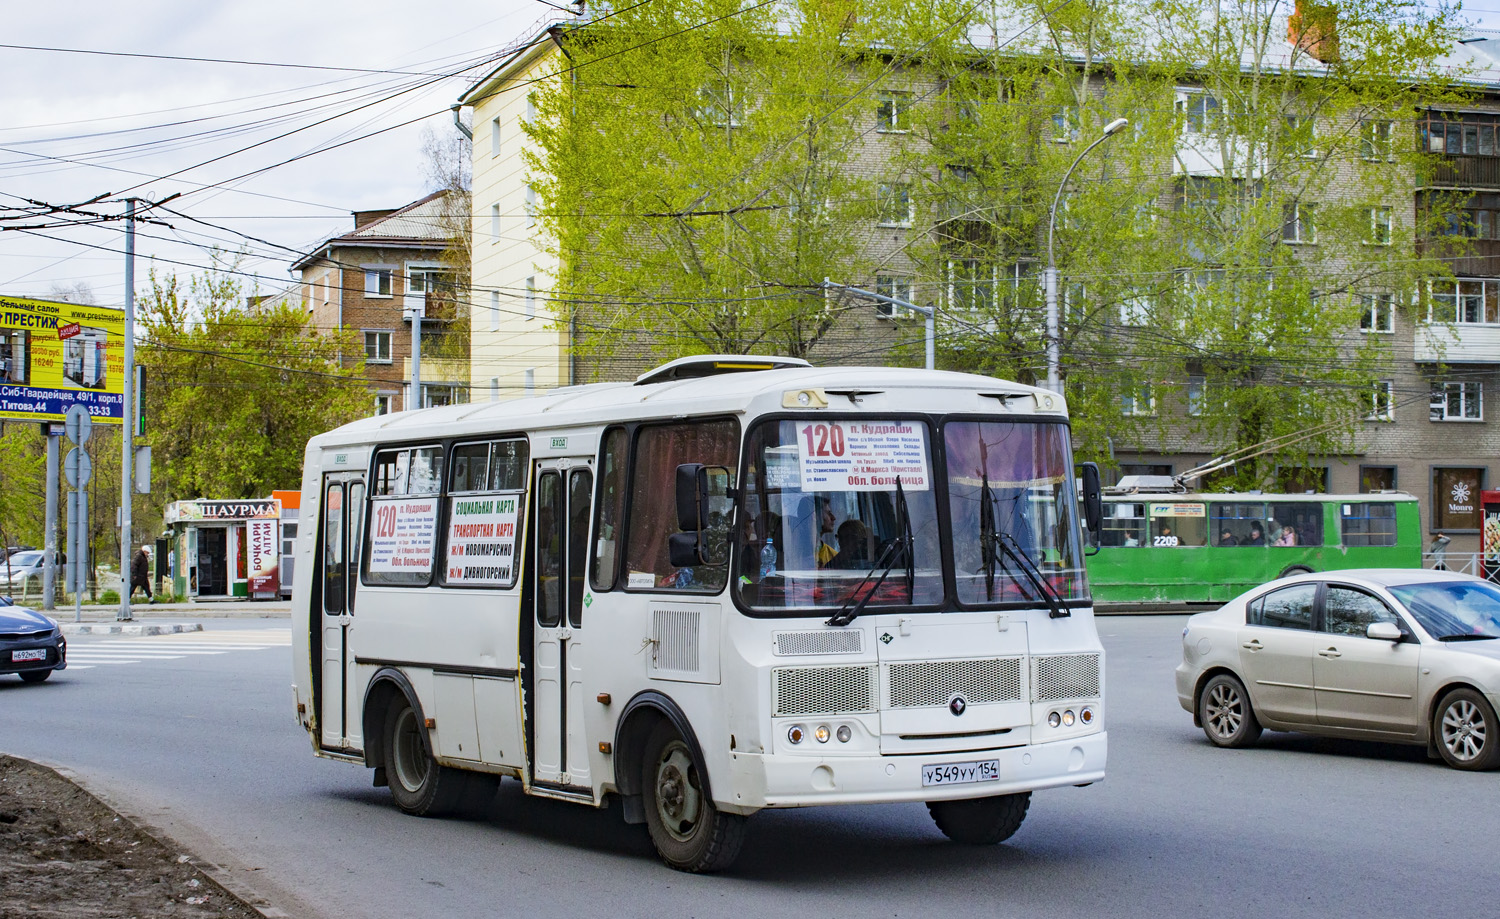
1426 432
372 278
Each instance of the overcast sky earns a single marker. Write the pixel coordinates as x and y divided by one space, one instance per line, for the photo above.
77 126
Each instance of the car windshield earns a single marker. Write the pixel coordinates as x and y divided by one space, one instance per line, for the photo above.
24 559
1454 610
822 511
1011 500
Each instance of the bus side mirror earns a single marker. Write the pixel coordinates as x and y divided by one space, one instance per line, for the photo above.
692 497
704 507
1093 496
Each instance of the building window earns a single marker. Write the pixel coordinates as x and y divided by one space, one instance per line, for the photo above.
377 282
377 347
893 112
895 205
531 297
1138 402
494 389
494 311
1300 135
1382 402
1377 478
494 137
895 287
1455 498
528 383
971 286
1375 139
1380 226
1065 125
383 404
1377 312
1456 402
435 394
1196 388
530 115
1135 309
494 223
1298 223
1198 111
426 285
530 206
1465 301
1460 133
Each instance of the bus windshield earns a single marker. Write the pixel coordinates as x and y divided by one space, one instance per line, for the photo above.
1011 499
821 511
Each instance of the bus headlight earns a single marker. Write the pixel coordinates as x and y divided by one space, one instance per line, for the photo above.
1053 719
822 733
796 733
843 733
1068 718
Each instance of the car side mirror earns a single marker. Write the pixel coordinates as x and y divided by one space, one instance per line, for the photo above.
1383 631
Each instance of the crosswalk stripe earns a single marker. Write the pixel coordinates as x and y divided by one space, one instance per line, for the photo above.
86 654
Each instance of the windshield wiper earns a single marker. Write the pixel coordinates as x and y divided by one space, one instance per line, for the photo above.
1467 636
1016 553
902 543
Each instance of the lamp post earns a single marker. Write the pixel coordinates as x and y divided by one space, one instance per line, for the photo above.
928 312
1054 378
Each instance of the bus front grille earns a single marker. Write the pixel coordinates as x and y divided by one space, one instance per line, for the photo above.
822 690
1067 676
927 683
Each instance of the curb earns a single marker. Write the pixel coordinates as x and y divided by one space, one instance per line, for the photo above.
124 628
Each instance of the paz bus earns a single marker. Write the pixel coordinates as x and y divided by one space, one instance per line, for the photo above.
1161 544
733 584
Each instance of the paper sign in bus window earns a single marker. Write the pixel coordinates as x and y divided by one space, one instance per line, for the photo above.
862 455
401 535
482 539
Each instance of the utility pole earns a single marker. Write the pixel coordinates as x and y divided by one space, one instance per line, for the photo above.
49 522
127 412
928 312
415 313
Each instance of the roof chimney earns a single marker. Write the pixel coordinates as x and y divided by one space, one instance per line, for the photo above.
1313 28
365 218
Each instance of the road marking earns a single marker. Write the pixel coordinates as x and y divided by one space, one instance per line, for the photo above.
85 655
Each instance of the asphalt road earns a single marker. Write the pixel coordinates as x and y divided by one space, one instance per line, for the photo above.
204 746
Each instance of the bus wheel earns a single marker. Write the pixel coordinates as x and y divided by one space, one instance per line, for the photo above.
980 821
689 833
419 786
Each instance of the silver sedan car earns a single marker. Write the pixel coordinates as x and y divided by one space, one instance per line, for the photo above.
1398 654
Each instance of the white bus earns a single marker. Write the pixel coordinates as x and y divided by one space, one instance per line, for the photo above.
734 584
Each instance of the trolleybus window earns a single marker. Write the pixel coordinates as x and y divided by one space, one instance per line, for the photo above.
611 508
1372 524
1124 525
822 512
1238 523
403 516
486 498
1011 500
1294 523
1175 524
659 450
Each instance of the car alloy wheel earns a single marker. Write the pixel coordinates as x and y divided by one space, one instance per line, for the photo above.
1464 730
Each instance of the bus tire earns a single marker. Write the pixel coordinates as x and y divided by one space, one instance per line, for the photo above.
689 833
1294 570
419 785
981 821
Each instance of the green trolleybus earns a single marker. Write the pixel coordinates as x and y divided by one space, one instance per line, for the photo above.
1167 547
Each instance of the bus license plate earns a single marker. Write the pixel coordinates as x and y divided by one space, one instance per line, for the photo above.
986 770
40 654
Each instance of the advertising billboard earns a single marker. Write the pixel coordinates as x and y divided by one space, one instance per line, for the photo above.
54 356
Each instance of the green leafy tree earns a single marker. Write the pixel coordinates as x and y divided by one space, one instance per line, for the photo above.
236 391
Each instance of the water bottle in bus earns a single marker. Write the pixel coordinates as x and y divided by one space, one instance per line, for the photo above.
768 558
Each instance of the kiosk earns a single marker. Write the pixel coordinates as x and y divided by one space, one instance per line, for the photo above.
223 550
1489 535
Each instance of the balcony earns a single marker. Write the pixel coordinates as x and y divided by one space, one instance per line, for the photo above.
1457 343
1465 172
1467 257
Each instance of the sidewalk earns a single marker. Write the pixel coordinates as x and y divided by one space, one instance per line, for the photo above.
162 618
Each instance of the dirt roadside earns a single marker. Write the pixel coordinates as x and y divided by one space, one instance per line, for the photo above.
64 854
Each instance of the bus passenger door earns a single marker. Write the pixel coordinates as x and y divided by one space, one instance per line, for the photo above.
341 538
564 491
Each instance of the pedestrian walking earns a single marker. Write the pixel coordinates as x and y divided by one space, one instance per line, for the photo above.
140 572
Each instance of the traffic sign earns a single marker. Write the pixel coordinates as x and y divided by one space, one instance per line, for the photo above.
78 424
78 467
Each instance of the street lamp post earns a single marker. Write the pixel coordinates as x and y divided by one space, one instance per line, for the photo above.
929 313
1054 378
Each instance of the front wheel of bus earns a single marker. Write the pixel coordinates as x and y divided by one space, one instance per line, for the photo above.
980 821
689 833
419 786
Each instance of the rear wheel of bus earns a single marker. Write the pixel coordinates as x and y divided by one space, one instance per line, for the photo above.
419 785
981 821
689 833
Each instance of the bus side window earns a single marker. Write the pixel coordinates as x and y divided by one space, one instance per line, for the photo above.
356 512
659 450
335 570
1369 523
611 509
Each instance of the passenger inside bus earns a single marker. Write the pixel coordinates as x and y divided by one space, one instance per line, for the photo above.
1257 535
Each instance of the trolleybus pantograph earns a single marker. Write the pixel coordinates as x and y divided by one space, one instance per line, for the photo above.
734 584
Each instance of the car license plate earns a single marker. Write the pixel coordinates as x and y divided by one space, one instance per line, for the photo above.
40 654
985 770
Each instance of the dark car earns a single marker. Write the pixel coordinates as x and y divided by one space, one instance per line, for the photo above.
31 645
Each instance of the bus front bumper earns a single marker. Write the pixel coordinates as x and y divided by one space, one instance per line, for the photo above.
808 781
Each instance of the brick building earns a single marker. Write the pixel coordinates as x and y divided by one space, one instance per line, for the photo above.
371 278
